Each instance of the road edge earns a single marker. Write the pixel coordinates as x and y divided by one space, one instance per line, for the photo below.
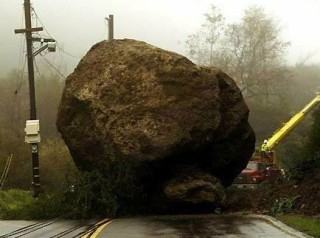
280 225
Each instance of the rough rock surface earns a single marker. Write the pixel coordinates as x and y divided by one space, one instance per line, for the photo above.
132 100
194 187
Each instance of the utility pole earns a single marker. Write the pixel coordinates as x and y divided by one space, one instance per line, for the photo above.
32 126
111 26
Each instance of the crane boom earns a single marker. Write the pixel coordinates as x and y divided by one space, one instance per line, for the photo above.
291 124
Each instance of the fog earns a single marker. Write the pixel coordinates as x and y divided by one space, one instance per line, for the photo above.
77 25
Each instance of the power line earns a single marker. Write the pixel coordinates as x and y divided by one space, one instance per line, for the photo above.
38 18
58 45
62 50
52 66
21 73
22 45
37 68
40 35
104 30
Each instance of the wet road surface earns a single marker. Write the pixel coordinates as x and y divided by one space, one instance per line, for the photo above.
194 226
184 226
52 229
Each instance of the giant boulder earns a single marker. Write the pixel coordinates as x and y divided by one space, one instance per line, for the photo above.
186 127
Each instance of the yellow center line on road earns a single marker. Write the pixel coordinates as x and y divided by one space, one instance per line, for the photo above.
96 233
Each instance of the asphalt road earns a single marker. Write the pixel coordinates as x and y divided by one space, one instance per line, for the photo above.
196 226
182 226
43 229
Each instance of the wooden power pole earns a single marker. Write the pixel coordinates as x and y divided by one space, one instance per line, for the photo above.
28 31
33 112
111 26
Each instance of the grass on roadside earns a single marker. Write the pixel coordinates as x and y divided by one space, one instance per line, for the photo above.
93 195
308 225
20 204
13 202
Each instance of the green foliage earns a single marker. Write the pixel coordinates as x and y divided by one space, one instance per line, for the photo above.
312 148
106 192
307 163
19 204
283 205
308 225
13 202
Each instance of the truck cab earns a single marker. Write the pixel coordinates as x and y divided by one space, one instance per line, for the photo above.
256 172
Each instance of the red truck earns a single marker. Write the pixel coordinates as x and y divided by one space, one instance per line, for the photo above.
255 173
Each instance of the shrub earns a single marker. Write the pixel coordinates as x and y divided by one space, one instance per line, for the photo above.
107 191
283 205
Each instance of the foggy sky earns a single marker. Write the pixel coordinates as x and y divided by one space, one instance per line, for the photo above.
78 24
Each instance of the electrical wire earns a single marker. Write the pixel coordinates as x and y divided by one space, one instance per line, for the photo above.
22 57
37 68
21 51
38 21
38 18
104 29
58 45
52 66
20 78
61 49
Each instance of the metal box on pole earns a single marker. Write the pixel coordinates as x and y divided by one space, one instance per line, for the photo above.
32 130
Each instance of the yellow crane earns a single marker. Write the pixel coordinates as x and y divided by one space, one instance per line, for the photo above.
261 167
289 126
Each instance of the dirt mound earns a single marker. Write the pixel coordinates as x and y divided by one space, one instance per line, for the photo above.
128 99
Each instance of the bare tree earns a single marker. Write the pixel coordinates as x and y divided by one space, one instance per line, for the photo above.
201 46
250 50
